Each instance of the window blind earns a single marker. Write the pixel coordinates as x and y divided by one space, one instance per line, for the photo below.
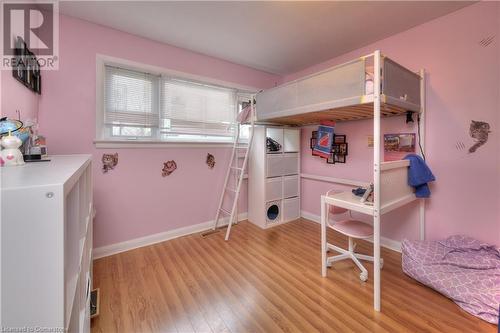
130 98
138 105
191 108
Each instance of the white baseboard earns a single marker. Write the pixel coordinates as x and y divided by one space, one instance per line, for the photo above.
135 243
385 242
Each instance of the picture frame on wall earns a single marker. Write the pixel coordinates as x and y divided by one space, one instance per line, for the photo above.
314 139
398 145
339 158
312 142
343 149
27 68
331 159
339 138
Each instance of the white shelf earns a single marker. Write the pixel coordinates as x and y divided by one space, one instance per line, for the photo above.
269 171
49 206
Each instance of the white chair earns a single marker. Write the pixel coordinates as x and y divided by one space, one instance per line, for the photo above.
353 229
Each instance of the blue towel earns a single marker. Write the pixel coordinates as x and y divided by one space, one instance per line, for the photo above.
419 175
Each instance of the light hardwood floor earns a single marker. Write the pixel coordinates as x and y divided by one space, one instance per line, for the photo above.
263 281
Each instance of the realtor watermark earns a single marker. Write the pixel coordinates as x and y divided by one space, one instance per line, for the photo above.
31 329
29 34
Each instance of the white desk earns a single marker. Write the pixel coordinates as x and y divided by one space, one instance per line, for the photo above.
350 201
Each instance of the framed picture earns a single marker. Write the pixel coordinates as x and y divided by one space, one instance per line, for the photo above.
339 158
397 146
314 139
27 68
340 149
343 149
338 138
331 159
312 142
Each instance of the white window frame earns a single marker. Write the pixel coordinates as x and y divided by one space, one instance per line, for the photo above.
102 141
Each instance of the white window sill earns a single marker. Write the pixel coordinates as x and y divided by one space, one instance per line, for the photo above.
117 144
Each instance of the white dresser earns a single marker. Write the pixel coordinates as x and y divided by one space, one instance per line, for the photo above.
46 245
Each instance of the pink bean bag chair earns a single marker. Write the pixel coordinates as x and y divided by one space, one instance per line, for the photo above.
459 267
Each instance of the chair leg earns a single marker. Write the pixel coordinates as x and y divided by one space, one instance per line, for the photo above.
363 257
358 263
339 257
364 273
368 258
336 248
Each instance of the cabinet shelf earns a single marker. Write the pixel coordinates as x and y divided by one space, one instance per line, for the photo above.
275 177
57 234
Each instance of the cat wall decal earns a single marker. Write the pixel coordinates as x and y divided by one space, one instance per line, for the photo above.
479 131
109 161
168 168
210 160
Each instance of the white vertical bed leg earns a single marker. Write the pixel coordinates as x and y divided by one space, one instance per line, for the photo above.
376 181
323 236
422 144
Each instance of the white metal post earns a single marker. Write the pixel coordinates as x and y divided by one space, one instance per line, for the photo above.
376 181
422 144
323 236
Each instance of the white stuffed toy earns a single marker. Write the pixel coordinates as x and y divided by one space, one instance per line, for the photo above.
11 155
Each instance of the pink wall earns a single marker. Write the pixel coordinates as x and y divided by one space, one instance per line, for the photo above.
133 200
15 96
463 84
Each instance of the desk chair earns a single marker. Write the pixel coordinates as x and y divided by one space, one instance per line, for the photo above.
353 229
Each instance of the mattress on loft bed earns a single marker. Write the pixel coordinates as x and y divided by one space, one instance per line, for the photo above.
459 267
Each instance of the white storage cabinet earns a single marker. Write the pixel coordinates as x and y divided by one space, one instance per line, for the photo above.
274 177
47 214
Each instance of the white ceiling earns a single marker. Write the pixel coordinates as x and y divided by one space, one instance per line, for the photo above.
277 37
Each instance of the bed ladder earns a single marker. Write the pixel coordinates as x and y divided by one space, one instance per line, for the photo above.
241 149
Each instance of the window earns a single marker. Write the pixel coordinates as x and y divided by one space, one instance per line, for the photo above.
130 103
192 110
139 106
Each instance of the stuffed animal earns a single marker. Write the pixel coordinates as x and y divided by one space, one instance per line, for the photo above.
11 155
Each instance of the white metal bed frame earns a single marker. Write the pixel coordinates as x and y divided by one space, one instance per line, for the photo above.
388 195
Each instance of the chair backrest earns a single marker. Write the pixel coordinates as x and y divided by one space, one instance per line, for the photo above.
333 210
337 210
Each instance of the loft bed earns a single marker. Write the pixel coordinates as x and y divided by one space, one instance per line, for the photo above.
370 87
344 92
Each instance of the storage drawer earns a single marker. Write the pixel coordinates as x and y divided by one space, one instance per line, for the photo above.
273 212
274 165
290 186
291 209
290 164
291 140
274 187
